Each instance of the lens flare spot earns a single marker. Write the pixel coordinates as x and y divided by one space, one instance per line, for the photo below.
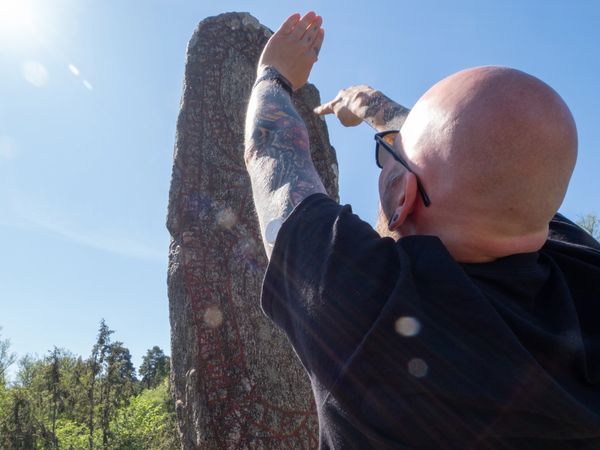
74 70
16 18
272 230
407 326
35 73
213 317
417 367
226 218
88 85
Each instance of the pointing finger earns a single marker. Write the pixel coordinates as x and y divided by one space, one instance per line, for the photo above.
325 108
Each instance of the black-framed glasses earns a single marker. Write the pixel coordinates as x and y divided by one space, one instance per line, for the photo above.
383 147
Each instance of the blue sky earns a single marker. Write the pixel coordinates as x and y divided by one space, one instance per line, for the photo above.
89 94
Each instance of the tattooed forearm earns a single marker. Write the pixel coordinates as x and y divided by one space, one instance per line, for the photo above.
277 155
383 114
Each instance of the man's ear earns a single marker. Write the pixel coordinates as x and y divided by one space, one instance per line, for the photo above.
406 201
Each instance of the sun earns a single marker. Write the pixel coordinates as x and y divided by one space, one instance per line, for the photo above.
17 19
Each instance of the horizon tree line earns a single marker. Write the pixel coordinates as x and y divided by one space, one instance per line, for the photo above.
66 401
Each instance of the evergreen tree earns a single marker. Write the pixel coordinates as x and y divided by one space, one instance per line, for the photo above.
56 391
155 367
64 401
117 385
120 365
96 364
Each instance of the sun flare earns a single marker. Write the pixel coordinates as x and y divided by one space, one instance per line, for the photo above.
17 19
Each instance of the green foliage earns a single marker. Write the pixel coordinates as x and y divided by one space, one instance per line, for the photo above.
72 435
62 401
155 367
6 358
148 422
20 428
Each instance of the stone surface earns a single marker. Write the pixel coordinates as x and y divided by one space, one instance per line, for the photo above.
236 380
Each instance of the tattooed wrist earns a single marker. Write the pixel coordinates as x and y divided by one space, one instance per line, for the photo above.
383 114
375 102
270 73
277 155
272 124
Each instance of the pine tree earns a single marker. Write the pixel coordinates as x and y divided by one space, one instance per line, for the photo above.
117 385
155 367
52 374
96 364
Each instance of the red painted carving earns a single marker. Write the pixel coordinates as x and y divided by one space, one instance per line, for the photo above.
236 380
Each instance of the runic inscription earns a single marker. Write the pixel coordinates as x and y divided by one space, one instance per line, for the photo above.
236 381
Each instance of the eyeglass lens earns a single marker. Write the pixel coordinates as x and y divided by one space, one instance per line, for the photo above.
382 153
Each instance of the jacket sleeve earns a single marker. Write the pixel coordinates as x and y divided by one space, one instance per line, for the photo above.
329 276
564 230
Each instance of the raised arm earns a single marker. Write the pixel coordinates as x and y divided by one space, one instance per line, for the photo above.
277 152
362 103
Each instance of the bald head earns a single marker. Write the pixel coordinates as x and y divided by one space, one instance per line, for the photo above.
495 149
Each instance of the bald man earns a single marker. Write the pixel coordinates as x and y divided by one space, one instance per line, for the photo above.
476 325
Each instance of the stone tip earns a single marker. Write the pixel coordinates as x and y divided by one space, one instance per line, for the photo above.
232 20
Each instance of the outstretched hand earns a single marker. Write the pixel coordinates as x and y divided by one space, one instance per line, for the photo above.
294 48
351 105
